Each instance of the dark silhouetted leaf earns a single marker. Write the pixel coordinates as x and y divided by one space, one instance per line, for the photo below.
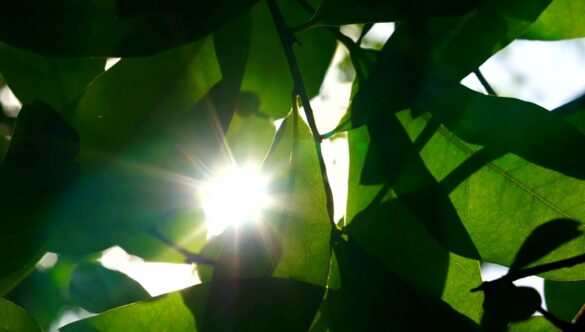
544 239
56 81
561 20
97 289
118 28
564 299
14 318
267 72
505 303
38 166
339 12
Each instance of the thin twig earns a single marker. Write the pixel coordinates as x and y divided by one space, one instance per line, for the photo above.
484 82
519 274
561 324
288 39
191 257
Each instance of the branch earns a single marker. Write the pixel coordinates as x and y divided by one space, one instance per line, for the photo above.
288 39
519 274
191 257
484 82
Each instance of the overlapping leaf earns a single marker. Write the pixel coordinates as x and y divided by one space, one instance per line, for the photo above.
501 199
14 318
564 299
562 19
115 28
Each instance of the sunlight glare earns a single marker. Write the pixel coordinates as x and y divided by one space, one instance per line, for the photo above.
234 196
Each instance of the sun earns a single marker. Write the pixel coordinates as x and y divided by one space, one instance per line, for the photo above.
233 196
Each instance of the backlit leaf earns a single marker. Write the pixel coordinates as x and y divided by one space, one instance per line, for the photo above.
14 318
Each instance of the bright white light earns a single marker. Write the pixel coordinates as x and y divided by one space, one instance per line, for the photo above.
233 196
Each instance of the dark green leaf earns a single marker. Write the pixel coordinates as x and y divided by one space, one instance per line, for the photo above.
140 129
97 289
267 72
56 81
544 239
113 27
561 20
564 299
339 12
14 319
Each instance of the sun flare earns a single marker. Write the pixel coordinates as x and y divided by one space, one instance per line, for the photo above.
233 196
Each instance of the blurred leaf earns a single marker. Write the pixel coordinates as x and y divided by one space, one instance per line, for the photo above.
115 28
185 229
372 298
402 241
544 239
561 20
37 167
534 324
505 303
212 250
252 305
267 72
14 319
139 130
56 81
428 54
501 199
298 215
340 12
564 299
97 289
8 282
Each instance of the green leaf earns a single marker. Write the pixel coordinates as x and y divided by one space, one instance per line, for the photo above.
561 20
37 167
428 54
249 305
508 125
402 239
340 12
534 324
118 28
544 239
564 299
140 127
372 298
56 81
14 318
8 282
299 215
501 199
163 313
97 289
267 72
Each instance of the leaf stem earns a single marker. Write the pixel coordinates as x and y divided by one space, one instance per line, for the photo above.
288 39
191 257
486 85
519 274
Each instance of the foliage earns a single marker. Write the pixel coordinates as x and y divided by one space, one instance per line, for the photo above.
441 178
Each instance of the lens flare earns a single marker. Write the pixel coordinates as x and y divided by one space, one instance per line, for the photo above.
233 196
